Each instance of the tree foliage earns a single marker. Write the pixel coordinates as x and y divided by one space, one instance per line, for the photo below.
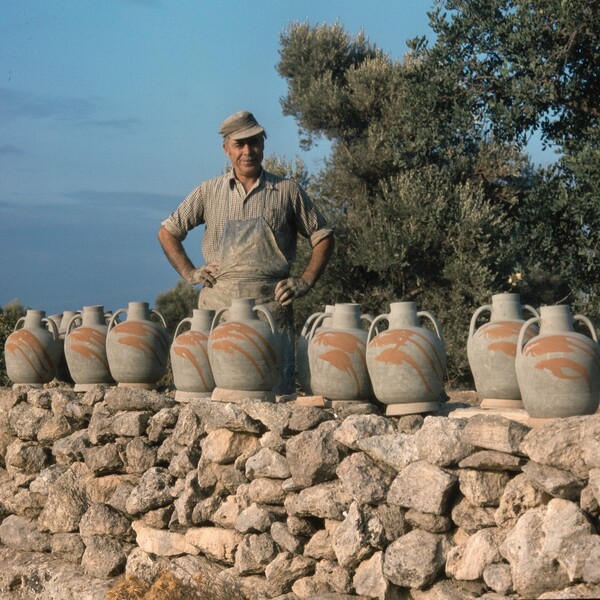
10 313
431 194
177 303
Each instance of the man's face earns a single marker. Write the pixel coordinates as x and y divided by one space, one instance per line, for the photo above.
246 155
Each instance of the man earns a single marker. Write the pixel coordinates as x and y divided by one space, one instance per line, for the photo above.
252 220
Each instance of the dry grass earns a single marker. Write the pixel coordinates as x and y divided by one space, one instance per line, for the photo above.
168 586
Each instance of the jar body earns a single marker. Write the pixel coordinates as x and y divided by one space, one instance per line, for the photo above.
85 348
559 369
32 352
337 357
192 372
407 362
243 351
137 348
492 348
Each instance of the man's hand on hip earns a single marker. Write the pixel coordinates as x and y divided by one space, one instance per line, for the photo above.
206 275
290 289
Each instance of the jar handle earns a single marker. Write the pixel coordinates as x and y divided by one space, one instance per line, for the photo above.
589 325
53 327
310 320
318 321
434 322
532 310
182 322
373 328
72 322
474 318
217 318
522 332
266 312
21 320
111 323
162 319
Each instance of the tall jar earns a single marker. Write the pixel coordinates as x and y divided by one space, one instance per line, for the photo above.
407 362
85 348
243 352
559 369
337 358
302 365
32 351
192 373
137 348
492 348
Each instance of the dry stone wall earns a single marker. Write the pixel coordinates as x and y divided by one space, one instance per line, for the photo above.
288 501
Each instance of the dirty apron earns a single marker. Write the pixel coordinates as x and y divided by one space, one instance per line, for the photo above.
250 265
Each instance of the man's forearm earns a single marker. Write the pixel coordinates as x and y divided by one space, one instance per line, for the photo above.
175 253
321 254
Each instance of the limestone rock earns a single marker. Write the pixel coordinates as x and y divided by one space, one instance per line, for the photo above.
360 427
422 486
492 460
440 441
189 428
67 501
325 500
102 519
428 521
104 556
308 417
363 479
320 546
285 569
482 488
131 423
414 560
557 444
70 449
468 561
139 456
553 481
267 463
472 517
313 455
103 460
153 491
519 496
26 420
369 580
255 518
118 399
498 577
358 536
223 415
67 546
223 446
25 457
282 536
254 553
214 542
495 432
266 491
394 450
21 533
275 417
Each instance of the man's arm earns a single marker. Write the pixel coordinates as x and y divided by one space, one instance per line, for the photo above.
180 261
289 289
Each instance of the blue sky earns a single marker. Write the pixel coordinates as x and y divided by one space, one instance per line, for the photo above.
109 115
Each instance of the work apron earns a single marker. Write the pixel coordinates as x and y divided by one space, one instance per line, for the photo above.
250 265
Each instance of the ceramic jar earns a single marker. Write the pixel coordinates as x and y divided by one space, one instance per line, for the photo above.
559 369
243 352
32 351
492 348
137 348
192 373
336 356
85 348
406 362
302 365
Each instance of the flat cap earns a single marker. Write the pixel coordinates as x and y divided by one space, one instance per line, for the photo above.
240 125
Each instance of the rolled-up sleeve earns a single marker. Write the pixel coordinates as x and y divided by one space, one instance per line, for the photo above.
189 214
